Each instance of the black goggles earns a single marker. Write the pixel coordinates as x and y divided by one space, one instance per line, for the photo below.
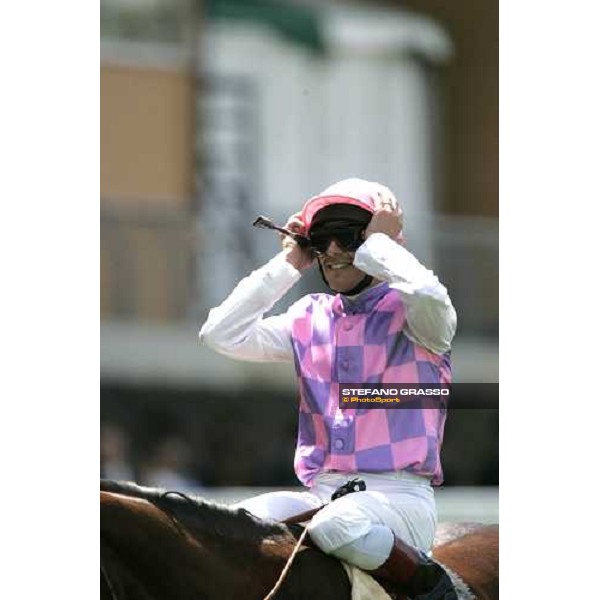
348 237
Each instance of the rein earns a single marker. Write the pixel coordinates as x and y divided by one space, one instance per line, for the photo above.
287 567
294 520
354 485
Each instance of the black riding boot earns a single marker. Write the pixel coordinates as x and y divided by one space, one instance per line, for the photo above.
415 575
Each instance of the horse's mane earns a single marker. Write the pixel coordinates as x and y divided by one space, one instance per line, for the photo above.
202 517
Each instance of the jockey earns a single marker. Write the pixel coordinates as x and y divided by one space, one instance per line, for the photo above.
391 321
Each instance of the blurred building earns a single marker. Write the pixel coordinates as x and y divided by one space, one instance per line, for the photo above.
216 111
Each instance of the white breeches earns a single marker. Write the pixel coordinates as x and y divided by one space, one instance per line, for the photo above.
359 527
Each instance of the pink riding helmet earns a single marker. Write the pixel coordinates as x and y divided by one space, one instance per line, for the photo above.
348 191
355 191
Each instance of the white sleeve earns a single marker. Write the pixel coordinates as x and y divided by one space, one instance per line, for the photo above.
430 316
236 327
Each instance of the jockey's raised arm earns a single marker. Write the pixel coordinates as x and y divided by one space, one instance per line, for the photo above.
236 327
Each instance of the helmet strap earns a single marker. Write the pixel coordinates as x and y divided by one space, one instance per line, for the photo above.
363 284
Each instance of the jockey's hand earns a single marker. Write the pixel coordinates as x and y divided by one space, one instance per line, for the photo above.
300 258
387 218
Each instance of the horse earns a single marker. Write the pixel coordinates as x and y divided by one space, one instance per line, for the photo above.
158 545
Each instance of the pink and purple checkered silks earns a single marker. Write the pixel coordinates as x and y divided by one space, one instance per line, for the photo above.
337 341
